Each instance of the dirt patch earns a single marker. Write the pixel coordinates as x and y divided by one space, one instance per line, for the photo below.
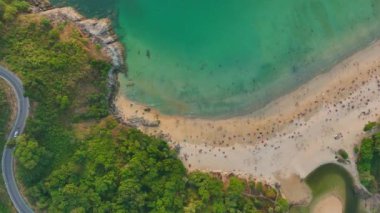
83 129
294 189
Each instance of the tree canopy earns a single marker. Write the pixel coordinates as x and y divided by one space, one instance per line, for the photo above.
368 162
74 158
10 8
116 168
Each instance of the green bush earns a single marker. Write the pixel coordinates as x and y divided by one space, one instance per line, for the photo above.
356 149
370 126
342 153
368 162
28 152
270 193
10 8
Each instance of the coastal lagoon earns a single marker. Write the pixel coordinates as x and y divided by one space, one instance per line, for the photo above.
331 180
220 58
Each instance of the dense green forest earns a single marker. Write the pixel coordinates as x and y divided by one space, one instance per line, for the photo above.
5 110
74 157
116 169
5 113
368 162
9 10
66 85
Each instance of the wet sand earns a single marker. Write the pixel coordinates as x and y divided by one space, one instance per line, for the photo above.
295 189
293 135
328 204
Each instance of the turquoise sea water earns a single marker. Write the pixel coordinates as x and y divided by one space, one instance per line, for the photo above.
225 57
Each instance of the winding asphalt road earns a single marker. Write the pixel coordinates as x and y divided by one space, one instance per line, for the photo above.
7 163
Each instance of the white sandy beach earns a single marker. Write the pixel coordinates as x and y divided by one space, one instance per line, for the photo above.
292 136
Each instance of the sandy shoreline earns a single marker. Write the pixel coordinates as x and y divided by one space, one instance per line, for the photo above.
293 135
328 204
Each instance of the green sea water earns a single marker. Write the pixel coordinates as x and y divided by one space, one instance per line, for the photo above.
227 57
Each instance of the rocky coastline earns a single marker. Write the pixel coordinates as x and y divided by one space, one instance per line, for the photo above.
39 5
99 31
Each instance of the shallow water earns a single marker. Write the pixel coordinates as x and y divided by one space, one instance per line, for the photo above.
225 57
